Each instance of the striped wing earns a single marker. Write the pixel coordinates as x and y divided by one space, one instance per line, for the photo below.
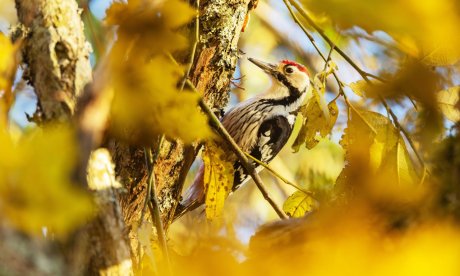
272 135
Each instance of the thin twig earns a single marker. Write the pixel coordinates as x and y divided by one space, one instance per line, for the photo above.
155 213
151 202
365 75
276 173
310 37
195 45
238 152
329 41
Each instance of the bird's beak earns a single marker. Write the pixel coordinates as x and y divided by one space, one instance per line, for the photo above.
267 67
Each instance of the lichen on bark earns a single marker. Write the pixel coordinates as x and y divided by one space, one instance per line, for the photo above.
56 53
215 62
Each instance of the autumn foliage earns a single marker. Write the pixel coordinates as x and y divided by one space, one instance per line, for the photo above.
369 181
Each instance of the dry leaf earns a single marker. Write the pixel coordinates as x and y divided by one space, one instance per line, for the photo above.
218 178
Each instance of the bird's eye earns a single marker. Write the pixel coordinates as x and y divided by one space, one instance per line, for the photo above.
289 70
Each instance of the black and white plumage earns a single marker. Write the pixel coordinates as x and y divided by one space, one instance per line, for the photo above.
261 125
272 136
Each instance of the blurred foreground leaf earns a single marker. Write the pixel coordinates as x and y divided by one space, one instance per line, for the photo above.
426 30
377 157
353 241
448 100
35 183
413 79
8 65
149 27
147 102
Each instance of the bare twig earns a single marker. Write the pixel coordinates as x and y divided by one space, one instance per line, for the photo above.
310 37
151 202
155 213
195 44
329 41
239 153
365 75
275 173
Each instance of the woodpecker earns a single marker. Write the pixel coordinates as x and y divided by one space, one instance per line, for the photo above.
261 125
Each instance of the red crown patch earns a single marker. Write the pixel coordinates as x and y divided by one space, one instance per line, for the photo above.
299 66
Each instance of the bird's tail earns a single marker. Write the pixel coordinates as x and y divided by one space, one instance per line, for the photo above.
194 196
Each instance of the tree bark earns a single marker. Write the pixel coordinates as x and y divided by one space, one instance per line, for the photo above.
57 55
221 22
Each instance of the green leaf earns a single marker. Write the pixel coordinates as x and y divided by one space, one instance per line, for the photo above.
299 204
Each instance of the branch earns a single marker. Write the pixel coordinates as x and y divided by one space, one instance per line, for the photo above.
365 75
56 53
276 173
329 41
195 44
239 153
152 202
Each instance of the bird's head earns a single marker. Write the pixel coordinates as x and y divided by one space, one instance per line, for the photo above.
286 73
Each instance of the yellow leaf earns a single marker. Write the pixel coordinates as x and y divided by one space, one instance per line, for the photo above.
377 153
447 100
145 238
333 112
8 65
218 178
431 26
148 26
413 79
315 122
358 87
321 101
35 183
147 103
299 204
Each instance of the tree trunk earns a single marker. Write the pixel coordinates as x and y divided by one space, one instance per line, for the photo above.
57 55
215 61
